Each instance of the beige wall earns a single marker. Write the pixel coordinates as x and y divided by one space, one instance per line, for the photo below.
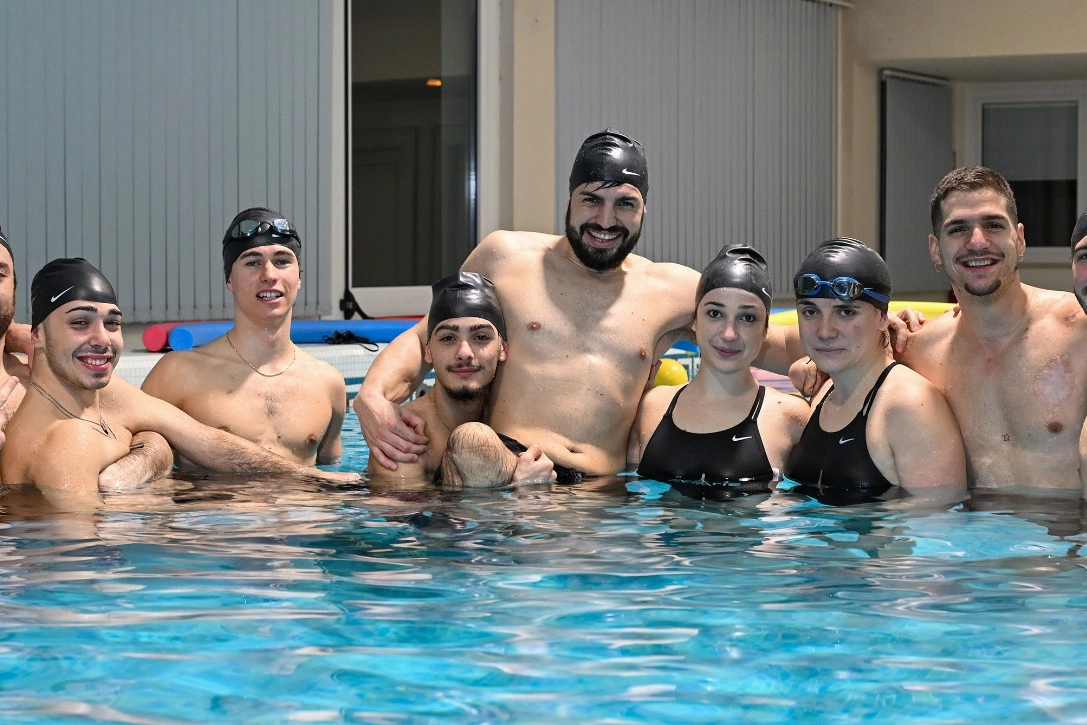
962 40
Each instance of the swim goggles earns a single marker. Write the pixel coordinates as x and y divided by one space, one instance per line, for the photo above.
846 289
251 227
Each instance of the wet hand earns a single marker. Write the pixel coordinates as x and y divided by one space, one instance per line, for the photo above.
900 325
392 433
534 467
806 377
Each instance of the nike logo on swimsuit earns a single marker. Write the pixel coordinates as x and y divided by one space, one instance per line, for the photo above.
843 441
54 298
737 439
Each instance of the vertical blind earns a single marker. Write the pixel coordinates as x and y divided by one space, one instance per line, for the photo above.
134 130
734 101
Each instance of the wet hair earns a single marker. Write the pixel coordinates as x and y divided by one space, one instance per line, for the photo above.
970 178
612 159
465 294
67 280
235 243
737 266
1080 230
846 257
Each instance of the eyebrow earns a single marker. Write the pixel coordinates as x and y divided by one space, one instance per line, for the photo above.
744 306
93 310
471 328
258 252
984 218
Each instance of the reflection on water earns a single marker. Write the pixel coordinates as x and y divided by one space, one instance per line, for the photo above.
252 600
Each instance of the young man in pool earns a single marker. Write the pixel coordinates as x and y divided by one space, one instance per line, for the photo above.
149 457
253 381
466 344
76 418
587 321
1013 361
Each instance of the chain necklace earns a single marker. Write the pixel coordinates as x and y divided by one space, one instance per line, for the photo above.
101 426
254 367
435 407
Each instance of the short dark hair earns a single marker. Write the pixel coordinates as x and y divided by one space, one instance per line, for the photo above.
970 178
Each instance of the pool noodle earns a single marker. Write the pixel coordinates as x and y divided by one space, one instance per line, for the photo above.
156 337
186 336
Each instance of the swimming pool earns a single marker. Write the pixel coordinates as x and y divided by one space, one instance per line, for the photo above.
288 601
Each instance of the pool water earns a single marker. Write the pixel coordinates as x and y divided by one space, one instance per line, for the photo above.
227 600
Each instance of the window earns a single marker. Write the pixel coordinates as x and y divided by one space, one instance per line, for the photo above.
1034 134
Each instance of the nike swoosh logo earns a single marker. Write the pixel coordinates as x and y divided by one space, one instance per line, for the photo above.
54 298
631 173
843 441
737 440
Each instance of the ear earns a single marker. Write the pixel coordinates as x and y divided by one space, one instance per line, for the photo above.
229 286
426 354
502 352
1021 244
934 249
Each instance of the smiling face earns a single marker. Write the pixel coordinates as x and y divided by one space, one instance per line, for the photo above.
978 244
730 327
603 224
81 342
838 335
465 352
265 280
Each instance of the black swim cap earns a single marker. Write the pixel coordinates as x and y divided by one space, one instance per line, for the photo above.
611 158
258 227
1080 230
737 266
67 280
465 294
845 257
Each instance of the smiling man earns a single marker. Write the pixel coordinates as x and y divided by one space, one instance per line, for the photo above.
77 418
253 381
587 321
1013 362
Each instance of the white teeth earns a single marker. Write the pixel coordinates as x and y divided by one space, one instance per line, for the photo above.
976 263
605 235
269 295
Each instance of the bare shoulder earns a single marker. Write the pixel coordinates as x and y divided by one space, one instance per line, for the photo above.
785 405
178 370
906 392
675 278
1061 308
501 247
320 371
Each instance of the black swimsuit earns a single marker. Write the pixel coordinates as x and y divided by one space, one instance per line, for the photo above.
721 464
835 467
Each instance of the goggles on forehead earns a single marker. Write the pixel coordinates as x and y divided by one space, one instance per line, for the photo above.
845 289
247 228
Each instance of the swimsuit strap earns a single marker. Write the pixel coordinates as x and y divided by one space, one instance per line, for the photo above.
870 398
672 405
753 415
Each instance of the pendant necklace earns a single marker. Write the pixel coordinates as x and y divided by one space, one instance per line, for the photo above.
101 426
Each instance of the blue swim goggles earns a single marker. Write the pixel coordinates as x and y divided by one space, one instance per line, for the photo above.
846 289
247 228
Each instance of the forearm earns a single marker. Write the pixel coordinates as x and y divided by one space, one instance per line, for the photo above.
781 349
149 458
398 370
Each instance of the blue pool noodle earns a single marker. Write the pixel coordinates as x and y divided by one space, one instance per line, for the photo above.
195 334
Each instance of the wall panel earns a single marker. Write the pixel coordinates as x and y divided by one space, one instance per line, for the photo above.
133 130
734 102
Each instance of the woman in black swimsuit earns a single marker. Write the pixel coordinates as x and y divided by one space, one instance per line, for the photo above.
875 424
723 434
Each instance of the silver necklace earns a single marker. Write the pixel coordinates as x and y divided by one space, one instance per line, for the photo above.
101 426
254 367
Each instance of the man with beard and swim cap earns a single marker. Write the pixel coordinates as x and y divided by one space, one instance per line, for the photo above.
723 435
77 418
466 344
876 424
1012 362
587 322
255 366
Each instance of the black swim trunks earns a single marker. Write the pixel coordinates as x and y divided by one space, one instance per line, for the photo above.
564 474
